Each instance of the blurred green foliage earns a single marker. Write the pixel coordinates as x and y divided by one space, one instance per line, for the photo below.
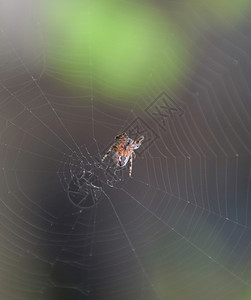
117 48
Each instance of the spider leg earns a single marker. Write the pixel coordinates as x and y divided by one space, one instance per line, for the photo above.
130 168
108 151
138 142
121 136
134 155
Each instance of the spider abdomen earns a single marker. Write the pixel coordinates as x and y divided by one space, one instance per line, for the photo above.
121 159
124 150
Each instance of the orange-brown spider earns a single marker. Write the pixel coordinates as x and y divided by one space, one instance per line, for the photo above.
124 150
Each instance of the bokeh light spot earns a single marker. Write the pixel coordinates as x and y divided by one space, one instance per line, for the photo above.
114 47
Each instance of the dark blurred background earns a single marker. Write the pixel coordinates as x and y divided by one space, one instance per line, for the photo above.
73 75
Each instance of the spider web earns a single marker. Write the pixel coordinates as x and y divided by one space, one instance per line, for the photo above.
75 228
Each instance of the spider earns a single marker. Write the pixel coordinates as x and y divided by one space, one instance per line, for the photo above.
124 150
